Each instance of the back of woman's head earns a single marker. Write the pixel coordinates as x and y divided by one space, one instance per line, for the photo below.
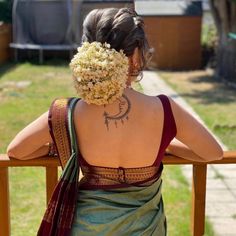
101 67
122 28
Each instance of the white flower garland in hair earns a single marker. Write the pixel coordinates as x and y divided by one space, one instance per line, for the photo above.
100 73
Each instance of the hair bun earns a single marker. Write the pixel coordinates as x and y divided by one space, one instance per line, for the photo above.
100 73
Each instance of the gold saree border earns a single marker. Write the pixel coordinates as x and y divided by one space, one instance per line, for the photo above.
105 176
58 123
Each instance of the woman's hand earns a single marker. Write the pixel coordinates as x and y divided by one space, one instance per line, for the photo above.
32 141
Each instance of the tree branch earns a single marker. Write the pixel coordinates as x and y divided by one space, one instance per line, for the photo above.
233 16
216 16
224 16
221 15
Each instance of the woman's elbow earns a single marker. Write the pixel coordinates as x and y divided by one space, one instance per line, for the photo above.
10 152
215 155
220 154
13 152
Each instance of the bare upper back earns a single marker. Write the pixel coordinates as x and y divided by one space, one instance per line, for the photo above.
126 133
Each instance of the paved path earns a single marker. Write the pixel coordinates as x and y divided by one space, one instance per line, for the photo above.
221 179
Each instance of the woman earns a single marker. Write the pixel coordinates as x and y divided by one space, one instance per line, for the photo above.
121 136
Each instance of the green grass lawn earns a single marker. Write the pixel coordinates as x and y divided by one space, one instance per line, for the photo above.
214 101
20 104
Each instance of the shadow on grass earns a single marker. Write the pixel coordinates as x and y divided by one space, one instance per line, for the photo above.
51 62
7 67
212 90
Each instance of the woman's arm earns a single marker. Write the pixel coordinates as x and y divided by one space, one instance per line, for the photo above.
195 138
32 141
181 150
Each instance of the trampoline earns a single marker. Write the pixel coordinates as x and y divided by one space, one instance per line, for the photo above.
45 25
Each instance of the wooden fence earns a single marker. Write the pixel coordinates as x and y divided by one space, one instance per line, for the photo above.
51 164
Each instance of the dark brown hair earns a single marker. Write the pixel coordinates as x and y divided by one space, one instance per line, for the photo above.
121 28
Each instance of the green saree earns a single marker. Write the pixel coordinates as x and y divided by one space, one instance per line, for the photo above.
132 211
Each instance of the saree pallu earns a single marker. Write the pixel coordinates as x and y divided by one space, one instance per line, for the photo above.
59 215
132 211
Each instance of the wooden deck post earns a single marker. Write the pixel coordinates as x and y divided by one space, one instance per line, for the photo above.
4 202
198 199
51 180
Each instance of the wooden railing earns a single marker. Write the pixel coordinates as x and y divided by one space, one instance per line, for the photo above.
51 165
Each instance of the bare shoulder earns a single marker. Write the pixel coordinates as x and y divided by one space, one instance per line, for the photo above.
153 102
176 108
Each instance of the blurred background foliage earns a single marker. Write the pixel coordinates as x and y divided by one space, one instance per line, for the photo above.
6 11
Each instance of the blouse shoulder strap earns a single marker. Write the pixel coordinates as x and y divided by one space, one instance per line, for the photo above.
169 128
58 127
169 119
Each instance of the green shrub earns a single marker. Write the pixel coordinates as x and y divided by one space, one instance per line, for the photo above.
6 10
209 43
209 36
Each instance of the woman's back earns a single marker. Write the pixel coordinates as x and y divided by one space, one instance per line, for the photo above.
132 136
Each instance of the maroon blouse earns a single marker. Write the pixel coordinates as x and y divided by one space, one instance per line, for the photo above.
97 177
